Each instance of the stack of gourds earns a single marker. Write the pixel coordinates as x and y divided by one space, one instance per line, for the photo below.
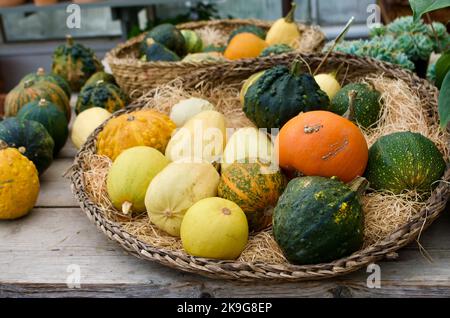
166 43
211 191
38 113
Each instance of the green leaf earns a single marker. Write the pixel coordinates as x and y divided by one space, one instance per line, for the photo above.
420 7
442 68
444 101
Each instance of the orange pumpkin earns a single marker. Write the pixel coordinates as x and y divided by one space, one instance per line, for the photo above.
320 143
244 45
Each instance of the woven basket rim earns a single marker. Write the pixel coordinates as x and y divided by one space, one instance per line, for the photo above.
112 57
384 248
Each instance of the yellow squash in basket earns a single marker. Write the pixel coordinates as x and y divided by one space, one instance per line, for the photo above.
19 183
175 189
284 30
130 175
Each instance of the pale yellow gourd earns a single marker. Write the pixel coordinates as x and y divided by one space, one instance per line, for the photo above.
175 189
284 30
201 139
187 108
214 228
130 175
247 145
19 183
86 122
328 84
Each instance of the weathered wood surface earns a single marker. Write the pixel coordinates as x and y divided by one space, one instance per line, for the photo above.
37 251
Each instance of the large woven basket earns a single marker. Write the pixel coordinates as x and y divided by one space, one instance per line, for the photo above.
384 248
133 74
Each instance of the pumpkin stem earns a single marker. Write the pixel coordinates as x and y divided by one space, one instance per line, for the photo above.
359 185
295 67
40 71
42 102
3 145
69 40
350 113
289 18
22 149
149 41
126 207
28 83
226 211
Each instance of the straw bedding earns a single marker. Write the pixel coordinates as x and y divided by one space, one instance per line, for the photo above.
384 212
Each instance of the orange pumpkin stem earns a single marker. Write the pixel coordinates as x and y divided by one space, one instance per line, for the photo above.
289 18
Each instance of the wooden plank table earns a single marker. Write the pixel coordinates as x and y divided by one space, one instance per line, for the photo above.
37 252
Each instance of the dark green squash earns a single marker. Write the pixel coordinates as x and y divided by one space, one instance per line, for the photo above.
366 103
276 49
281 94
101 94
319 220
167 35
101 76
214 48
32 136
248 29
50 117
155 52
75 63
404 161
40 75
29 91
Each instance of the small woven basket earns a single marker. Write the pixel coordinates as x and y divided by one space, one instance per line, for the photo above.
247 271
134 75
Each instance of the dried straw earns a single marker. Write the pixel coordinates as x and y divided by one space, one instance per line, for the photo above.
384 212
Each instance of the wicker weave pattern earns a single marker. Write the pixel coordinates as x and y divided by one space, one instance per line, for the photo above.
385 248
133 74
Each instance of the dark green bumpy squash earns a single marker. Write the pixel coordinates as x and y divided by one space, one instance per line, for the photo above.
366 103
404 161
75 63
50 117
319 220
168 36
156 52
32 136
101 94
281 94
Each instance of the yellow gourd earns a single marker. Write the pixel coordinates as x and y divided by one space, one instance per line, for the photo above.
247 145
19 183
201 139
187 108
214 228
143 127
328 83
284 30
175 189
130 175
86 122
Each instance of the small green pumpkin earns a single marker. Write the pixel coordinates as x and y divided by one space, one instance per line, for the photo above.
255 188
276 49
101 76
75 63
366 103
248 29
319 220
40 75
50 117
31 137
168 36
280 94
194 43
101 94
404 161
156 52
29 91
